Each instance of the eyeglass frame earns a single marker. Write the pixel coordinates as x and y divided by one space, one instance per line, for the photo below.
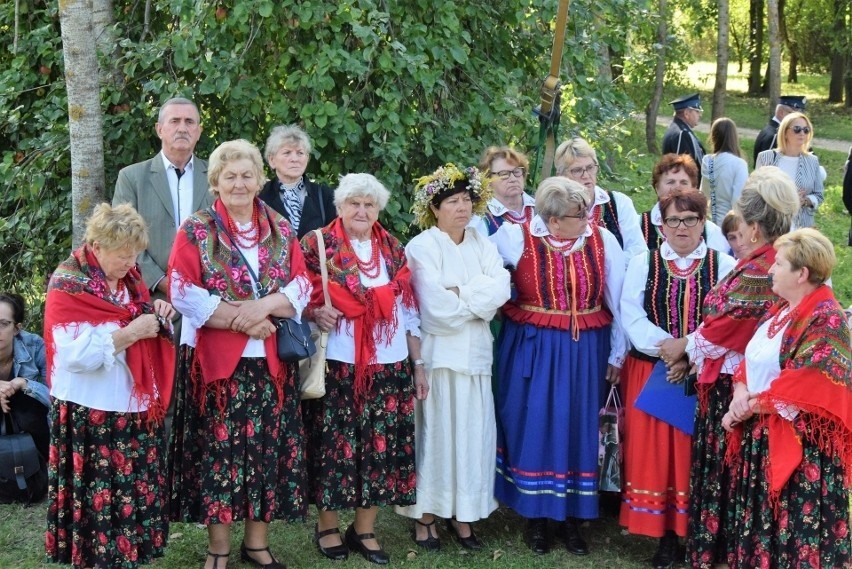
582 214
580 172
800 129
517 172
685 221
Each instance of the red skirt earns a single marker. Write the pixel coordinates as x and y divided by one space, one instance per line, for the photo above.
657 459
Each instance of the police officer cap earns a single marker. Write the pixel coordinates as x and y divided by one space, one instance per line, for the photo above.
793 101
692 101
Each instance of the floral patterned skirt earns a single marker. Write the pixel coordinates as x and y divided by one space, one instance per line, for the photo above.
811 528
710 481
244 462
106 492
362 459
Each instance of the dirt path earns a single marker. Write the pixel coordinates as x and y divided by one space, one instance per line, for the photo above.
751 134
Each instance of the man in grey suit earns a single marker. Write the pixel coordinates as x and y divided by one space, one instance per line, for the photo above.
166 188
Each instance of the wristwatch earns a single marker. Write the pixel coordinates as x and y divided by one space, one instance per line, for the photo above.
418 362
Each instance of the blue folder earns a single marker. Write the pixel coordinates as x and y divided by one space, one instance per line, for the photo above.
666 401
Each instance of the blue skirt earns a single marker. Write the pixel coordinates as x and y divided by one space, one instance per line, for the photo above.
551 389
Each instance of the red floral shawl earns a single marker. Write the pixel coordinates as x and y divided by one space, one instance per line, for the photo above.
815 378
734 307
204 257
78 292
373 310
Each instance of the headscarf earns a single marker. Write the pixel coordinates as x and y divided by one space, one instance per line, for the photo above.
78 293
373 309
204 257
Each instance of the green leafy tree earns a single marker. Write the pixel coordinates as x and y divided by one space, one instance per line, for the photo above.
390 87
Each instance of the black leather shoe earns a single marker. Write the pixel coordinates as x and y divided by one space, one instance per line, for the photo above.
470 542
535 535
244 554
666 553
335 552
431 543
355 542
574 542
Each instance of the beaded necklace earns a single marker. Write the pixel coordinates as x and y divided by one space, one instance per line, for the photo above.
559 245
249 237
525 217
372 268
779 322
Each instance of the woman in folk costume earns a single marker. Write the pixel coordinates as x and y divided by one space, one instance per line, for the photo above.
460 283
670 172
360 443
507 170
730 315
110 363
237 436
790 420
561 342
661 300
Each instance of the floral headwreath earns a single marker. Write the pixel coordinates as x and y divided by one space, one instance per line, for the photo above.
444 180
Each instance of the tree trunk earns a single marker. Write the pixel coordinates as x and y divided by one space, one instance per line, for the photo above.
84 112
721 84
839 52
849 89
659 75
755 46
793 71
774 54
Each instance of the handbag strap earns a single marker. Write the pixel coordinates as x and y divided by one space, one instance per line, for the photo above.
323 267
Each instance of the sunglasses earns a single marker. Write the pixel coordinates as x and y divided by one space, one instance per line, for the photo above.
800 129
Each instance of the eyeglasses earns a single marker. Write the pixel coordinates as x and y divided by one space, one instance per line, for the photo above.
5 324
674 222
516 172
591 170
800 129
582 214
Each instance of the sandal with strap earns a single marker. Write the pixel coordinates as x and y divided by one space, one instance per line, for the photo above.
431 543
334 552
216 557
355 542
244 554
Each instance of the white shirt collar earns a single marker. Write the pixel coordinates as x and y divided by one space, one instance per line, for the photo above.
667 253
601 196
497 209
656 216
168 163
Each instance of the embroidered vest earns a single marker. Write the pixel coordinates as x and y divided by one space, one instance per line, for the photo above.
673 298
607 216
553 288
493 222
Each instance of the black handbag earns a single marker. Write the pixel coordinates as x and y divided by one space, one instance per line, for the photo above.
23 470
292 338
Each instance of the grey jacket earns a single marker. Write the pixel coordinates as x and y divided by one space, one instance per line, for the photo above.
144 186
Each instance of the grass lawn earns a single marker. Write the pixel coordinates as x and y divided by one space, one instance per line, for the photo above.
22 531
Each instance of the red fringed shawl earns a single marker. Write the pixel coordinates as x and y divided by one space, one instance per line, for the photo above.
815 378
734 307
372 310
204 257
78 293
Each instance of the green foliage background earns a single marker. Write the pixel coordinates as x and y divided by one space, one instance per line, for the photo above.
390 87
